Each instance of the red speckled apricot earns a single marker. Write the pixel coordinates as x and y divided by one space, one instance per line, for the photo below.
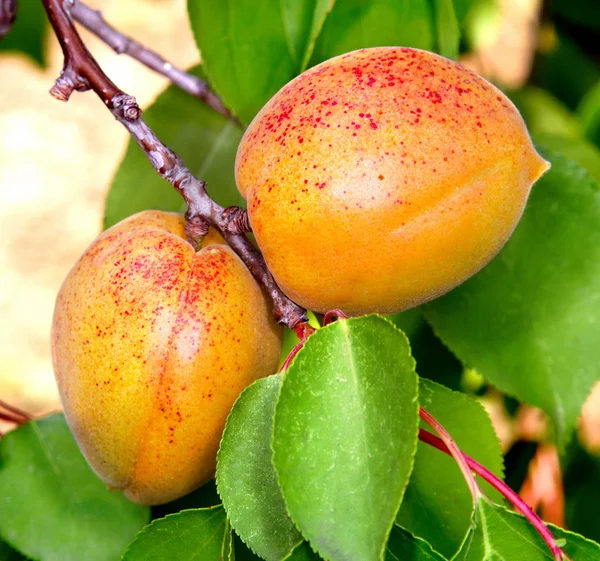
383 178
152 342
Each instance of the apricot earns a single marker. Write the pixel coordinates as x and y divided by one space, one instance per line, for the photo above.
152 342
383 178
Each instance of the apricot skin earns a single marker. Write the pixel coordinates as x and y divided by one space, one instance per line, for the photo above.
383 178
152 342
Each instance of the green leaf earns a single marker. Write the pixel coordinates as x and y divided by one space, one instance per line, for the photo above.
448 32
545 114
242 553
500 534
357 24
29 32
576 149
582 493
589 114
403 546
303 21
7 553
320 11
302 552
245 476
566 71
581 12
53 506
345 436
206 141
434 360
527 321
190 535
247 50
463 8
552 125
437 505
204 497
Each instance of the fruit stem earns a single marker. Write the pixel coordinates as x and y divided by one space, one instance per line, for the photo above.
333 315
303 330
519 504
454 451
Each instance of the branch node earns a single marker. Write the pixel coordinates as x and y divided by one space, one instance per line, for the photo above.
68 82
196 227
126 107
235 220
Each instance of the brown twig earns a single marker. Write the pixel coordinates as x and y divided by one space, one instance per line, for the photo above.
13 415
14 412
93 21
8 13
81 72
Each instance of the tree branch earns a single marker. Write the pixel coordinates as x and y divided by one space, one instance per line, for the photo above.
93 21
81 72
8 13
15 411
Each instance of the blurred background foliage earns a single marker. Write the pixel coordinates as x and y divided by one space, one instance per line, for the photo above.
57 161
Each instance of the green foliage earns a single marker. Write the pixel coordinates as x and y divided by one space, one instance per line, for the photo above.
186 536
500 534
581 12
246 63
29 32
545 114
438 505
306 19
246 478
582 492
322 462
205 140
204 497
434 360
576 149
536 301
347 408
403 546
589 113
555 127
54 507
7 553
302 552
448 32
566 71
357 24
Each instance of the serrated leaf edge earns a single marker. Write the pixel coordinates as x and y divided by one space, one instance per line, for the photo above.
413 452
156 521
217 478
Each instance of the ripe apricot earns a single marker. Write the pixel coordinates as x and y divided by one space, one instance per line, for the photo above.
383 178
152 342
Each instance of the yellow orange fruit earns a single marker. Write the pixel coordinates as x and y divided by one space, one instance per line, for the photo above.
152 342
383 178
